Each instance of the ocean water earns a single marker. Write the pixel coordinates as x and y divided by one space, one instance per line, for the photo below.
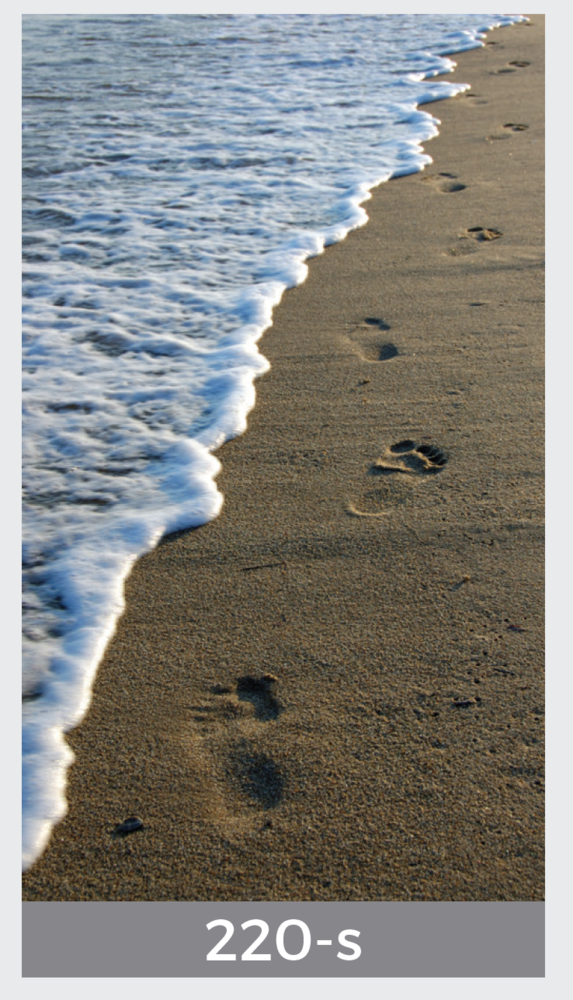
178 171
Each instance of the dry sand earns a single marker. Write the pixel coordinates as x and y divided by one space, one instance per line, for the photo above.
396 596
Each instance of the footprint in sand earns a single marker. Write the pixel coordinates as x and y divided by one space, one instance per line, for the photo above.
370 345
446 183
408 458
401 460
252 698
512 66
476 98
510 127
255 776
481 234
239 775
475 234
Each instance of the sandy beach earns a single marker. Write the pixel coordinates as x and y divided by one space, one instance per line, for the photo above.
335 690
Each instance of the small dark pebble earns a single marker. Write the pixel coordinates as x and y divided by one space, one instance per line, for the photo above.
129 825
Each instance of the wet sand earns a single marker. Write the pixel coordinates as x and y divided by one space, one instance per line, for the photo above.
335 690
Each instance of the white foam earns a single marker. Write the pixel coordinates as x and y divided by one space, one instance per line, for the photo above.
166 211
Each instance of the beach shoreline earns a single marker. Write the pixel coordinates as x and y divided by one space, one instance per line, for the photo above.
334 690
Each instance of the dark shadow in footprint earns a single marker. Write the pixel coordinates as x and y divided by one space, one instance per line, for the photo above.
374 321
375 351
519 62
409 458
516 126
446 183
387 351
434 455
258 775
476 97
406 445
259 691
